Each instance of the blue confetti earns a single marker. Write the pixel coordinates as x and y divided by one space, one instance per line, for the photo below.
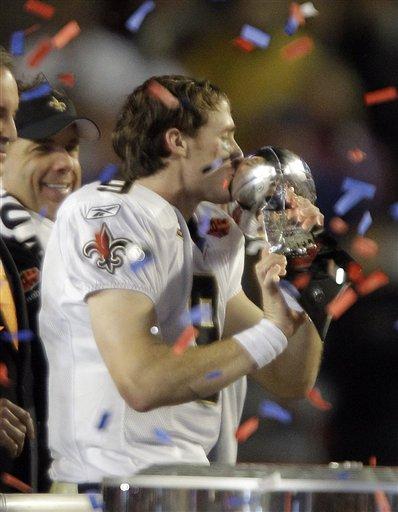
135 266
17 43
95 500
368 190
43 211
394 211
213 375
23 335
216 164
135 21
255 36
291 26
36 92
103 422
162 436
295 506
108 173
355 191
364 223
269 409
193 316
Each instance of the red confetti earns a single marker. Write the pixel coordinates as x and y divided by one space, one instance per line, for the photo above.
356 156
340 304
243 44
383 505
32 29
160 93
13 482
225 184
375 280
296 13
185 339
364 247
297 48
42 9
287 502
380 96
66 34
338 226
302 280
4 380
41 50
246 429
67 79
372 461
315 397
355 272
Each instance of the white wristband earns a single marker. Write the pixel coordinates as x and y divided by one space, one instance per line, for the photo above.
264 341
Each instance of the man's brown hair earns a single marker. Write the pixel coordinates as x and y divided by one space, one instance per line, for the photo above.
6 60
138 138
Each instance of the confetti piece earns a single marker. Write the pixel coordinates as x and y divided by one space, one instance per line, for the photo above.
13 482
66 34
372 282
297 48
162 436
67 79
383 505
364 223
216 164
308 10
394 211
139 264
17 43
22 335
185 339
37 92
355 191
255 36
338 226
213 375
355 272
295 12
341 303
104 420
291 26
225 184
95 501
160 93
43 212
4 380
246 429
287 502
244 45
32 29
108 173
193 316
302 280
42 9
315 398
372 461
364 247
272 410
295 506
41 50
284 284
380 96
134 22
356 156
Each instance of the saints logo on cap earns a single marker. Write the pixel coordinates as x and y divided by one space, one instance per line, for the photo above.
56 104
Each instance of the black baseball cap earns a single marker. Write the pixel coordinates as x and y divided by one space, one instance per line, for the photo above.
43 116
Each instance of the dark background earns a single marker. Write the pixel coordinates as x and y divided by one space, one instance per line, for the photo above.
313 106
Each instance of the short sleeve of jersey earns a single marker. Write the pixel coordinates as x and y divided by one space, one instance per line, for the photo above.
121 251
237 262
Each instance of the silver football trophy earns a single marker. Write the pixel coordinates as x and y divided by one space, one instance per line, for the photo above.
264 188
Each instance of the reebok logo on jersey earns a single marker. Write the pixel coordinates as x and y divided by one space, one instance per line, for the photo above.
107 248
29 278
97 212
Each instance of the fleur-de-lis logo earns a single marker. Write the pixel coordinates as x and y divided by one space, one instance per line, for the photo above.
56 104
107 248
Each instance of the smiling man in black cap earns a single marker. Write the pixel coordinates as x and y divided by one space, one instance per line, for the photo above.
41 169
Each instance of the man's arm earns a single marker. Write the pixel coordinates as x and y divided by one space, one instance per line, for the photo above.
293 372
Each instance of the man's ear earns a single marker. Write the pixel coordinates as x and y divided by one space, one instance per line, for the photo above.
176 142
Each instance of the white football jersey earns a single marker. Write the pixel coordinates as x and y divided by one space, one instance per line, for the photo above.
105 239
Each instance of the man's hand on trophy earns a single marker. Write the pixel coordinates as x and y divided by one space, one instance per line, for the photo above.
303 211
268 270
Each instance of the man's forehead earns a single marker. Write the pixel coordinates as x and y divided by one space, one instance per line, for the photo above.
68 133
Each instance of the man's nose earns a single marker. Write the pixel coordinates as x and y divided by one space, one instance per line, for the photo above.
8 131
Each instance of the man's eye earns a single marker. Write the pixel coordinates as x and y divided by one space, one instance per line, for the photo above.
72 149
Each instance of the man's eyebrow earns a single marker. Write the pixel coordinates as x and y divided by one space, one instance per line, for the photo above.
230 128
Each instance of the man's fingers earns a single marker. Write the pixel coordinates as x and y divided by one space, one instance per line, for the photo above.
22 415
9 430
8 443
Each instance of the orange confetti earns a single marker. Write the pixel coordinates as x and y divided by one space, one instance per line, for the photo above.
380 96
341 303
185 339
315 398
66 34
372 461
302 280
225 184
243 44
287 502
246 429
375 280
67 79
297 48
4 380
355 272
41 50
32 29
42 9
338 226
364 247
383 505
13 482
296 13
160 93
356 156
